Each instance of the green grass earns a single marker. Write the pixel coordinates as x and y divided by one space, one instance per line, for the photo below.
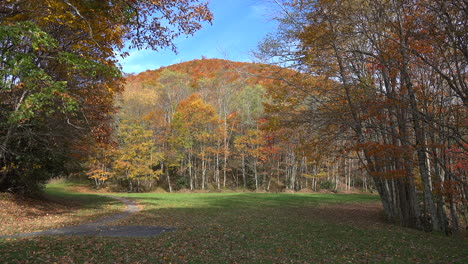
60 191
249 228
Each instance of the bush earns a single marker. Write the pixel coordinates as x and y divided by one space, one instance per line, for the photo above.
182 183
328 185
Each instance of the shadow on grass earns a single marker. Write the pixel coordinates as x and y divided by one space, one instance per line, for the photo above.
185 210
249 228
57 208
59 194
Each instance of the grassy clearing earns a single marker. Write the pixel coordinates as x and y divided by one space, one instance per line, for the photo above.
61 207
250 228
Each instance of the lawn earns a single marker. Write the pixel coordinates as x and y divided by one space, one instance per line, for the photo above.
248 228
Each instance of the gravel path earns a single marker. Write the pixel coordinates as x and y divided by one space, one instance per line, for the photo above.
100 228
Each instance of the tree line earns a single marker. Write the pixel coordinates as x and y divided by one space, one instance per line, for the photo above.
210 131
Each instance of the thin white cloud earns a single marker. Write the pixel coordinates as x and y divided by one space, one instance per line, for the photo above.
138 61
258 11
139 67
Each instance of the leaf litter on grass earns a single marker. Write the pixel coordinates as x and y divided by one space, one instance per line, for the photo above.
250 228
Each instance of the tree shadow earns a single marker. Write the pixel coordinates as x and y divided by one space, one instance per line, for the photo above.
241 225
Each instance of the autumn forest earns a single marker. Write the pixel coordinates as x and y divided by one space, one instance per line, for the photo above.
351 96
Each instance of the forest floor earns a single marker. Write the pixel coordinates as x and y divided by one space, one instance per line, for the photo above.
58 208
221 228
102 227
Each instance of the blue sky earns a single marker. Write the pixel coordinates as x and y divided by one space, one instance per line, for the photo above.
238 26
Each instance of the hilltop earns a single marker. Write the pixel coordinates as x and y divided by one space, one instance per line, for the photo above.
231 71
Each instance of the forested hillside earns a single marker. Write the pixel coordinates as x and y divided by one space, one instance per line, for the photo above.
210 124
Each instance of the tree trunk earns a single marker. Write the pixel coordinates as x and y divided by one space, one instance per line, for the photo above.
226 152
168 180
218 181
190 165
417 127
255 174
243 171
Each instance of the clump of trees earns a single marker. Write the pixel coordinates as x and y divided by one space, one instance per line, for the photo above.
59 77
387 85
206 128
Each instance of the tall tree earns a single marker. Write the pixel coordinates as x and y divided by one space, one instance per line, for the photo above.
200 120
59 75
136 157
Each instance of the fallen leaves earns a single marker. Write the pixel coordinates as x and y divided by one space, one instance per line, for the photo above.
22 215
247 228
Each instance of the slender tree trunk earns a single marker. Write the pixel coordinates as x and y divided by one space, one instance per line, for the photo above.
269 181
255 174
278 172
453 210
293 174
365 183
243 171
203 170
218 177
226 151
441 214
337 177
190 165
168 180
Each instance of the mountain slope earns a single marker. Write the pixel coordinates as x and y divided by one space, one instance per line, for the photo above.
210 68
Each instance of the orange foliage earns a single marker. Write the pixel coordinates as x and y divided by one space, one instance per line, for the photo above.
209 68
